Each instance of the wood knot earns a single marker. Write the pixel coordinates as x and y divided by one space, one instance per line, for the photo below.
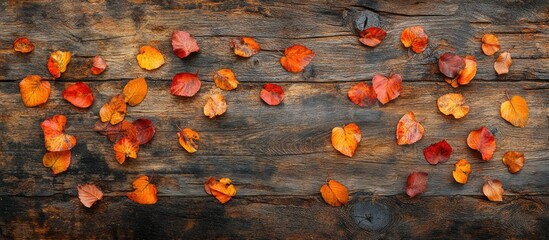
371 216
359 19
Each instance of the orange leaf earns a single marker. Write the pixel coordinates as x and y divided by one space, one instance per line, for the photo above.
57 63
490 44
89 194
463 169
362 95
483 141
493 190
117 131
503 63
23 45
145 130
245 46
185 84
222 190
387 89
452 103
225 79
272 94
345 139
514 161
408 129
372 36
189 140
125 147
150 58
296 58
34 91
114 111
135 91
57 161
144 193
414 37
334 193
416 183
54 134
79 95
99 65
469 72
515 111
215 106
183 44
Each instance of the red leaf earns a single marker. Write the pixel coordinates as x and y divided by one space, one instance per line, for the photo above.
372 36
417 183
296 58
185 84
99 65
437 152
387 89
362 95
145 130
450 65
183 44
272 94
484 141
79 95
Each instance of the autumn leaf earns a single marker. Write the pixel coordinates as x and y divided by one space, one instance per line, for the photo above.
515 111
222 190
345 139
117 131
503 63
416 184
57 63
145 130
114 111
23 45
125 147
463 169
272 94
135 91
189 140
437 152
89 194
144 193
514 161
334 193
185 84
149 58
296 58
490 44
215 106
387 89
493 190
450 64
362 94
225 79
408 129
372 36
415 37
183 44
99 65
453 104
34 91
483 141
54 134
58 162
245 46
79 95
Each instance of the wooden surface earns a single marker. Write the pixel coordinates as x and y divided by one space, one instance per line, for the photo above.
278 157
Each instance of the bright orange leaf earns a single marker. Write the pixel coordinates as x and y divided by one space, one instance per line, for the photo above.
372 36
144 193
345 139
99 65
145 130
493 190
452 103
463 169
215 106
150 58
408 129
362 94
245 46
189 139
222 190
125 147
89 194
515 111
296 58
225 79
183 44
334 193
185 84
79 95
54 134
483 141
135 91
503 63
272 94
57 63
466 74
58 162
117 131
416 183
23 45
114 111
490 44
34 91
387 89
416 38
514 161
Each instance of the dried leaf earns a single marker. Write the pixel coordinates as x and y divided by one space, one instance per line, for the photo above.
334 193
57 63
493 190
345 139
372 36
514 161
183 44
387 89
225 79
272 94
89 194
149 58
416 184
245 46
222 190
215 106
483 141
515 111
54 134
185 84
408 129
452 104
117 131
58 162
451 65
114 111
463 169
189 140
99 65
362 94
79 95
466 74
490 44
144 193
296 58
503 63
437 152
135 91
23 45
34 91
416 38
145 130
125 147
